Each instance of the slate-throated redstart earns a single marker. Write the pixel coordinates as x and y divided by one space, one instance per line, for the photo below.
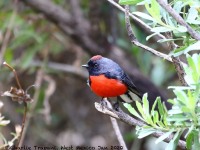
107 79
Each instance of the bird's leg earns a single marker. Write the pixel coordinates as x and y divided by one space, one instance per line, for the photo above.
116 105
103 103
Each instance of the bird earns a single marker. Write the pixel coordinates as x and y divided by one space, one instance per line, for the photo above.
107 79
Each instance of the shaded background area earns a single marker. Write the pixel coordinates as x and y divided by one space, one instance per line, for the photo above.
47 42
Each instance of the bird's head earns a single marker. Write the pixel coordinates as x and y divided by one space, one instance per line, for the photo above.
99 65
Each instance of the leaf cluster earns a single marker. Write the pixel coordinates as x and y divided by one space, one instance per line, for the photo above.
184 115
161 22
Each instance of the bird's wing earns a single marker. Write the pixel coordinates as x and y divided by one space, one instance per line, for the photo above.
133 94
131 86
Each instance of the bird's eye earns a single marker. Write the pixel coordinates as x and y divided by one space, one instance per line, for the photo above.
95 65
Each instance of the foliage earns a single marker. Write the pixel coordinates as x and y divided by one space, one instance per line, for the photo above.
182 117
185 111
3 123
25 35
162 22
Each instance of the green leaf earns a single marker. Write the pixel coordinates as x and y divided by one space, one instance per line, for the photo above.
195 46
178 118
143 15
140 109
196 140
178 51
145 131
191 101
132 111
173 143
161 29
146 109
189 140
154 10
145 104
192 15
155 116
178 5
181 29
169 40
194 69
171 101
154 105
150 36
164 136
189 131
181 95
175 111
129 2
160 108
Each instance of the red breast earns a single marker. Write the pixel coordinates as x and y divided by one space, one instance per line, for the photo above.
105 87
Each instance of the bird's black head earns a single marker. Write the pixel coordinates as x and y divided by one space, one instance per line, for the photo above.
100 65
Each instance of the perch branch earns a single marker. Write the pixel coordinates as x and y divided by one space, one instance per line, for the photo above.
136 42
179 19
116 127
120 115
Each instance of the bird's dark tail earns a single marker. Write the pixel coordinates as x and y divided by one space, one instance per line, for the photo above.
131 96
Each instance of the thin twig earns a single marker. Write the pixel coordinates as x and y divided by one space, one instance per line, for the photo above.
136 42
143 24
116 128
48 92
179 19
38 82
179 69
176 61
133 122
23 124
15 73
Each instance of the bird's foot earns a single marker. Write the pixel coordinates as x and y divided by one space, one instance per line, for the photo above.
116 106
103 103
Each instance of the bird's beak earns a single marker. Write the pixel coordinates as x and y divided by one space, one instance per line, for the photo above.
85 66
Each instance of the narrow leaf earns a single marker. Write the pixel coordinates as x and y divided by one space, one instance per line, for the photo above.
189 140
132 111
143 15
129 2
173 143
163 137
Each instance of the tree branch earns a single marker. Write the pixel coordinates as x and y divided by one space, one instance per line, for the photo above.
179 19
116 127
62 67
120 115
67 23
136 42
179 69
176 61
142 24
